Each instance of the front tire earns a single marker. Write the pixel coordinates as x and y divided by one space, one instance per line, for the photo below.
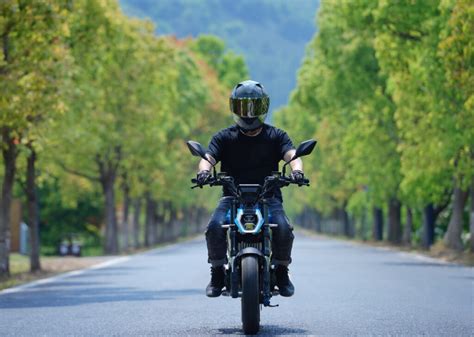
250 295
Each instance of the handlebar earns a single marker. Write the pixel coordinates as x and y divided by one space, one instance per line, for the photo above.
270 183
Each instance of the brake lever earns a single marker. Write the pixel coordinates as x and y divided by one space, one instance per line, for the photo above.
304 183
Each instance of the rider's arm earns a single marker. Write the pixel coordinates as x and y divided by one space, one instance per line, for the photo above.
297 164
205 165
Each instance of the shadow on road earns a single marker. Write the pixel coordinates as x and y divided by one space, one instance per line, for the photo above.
57 296
109 271
67 284
265 330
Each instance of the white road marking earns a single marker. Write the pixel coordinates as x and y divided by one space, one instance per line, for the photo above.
63 276
104 264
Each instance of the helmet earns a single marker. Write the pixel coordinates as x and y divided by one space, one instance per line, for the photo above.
249 103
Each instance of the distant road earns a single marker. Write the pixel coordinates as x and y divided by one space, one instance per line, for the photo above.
341 289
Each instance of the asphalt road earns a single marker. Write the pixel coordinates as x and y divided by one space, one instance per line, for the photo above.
341 289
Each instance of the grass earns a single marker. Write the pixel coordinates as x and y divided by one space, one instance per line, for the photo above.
51 265
19 263
20 272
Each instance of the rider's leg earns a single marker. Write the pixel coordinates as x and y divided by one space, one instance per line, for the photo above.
282 245
217 247
282 235
216 235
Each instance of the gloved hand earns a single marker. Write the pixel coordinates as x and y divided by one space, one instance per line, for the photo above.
203 177
297 176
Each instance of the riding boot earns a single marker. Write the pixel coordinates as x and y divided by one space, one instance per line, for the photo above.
283 281
214 288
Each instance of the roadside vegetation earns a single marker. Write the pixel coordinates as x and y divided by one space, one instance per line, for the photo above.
95 109
387 88
94 112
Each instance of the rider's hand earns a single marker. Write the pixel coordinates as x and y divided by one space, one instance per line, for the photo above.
203 176
297 177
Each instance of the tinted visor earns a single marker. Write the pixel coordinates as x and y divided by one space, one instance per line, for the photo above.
249 107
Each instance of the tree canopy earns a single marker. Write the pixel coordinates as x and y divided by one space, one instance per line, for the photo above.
105 105
386 88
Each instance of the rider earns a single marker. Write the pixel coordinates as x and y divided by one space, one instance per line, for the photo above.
249 151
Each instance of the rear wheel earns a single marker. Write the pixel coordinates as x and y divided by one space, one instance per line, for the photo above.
250 295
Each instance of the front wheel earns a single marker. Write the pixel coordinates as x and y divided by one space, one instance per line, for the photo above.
250 295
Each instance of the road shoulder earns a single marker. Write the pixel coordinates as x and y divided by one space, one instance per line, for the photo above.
437 253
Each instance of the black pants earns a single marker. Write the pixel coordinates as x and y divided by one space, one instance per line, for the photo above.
282 235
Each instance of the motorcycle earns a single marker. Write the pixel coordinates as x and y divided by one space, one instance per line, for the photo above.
249 272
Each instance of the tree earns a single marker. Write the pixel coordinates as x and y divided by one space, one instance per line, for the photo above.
386 88
435 146
112 103
340 85
455 50
137 97
31 65
230 67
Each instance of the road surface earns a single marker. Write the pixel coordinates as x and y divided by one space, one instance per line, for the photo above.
341 289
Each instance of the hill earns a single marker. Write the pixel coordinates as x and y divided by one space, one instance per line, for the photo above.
271 34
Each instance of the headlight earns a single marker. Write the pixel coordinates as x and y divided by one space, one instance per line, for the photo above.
249 222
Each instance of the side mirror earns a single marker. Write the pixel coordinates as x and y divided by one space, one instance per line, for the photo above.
196 149
304 148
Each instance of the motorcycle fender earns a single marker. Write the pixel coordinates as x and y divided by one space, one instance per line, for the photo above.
249 251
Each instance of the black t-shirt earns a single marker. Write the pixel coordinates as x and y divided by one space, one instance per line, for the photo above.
249 159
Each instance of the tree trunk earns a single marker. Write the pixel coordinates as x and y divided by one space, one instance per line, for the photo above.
377 230
33 211
452 238
166 224
173 225
160 220
394 223
408 228
9 153
317 221
429 220
471 217
108 167
154 224
363 221
111 237
346 223
137 205
126 208
148 218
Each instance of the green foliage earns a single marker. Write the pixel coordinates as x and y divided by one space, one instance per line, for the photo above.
107 103
386 87
59 218
231 68
271 34
211 48
32 63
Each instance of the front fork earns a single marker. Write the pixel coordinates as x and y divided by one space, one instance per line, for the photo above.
267 252
234 272
266 249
